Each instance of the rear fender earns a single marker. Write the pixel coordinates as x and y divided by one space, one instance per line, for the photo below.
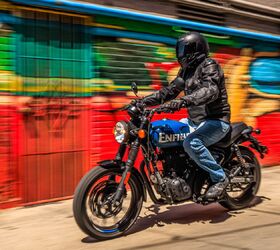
246 135
113 164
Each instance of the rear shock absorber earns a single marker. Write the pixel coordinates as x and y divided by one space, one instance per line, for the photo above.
240 159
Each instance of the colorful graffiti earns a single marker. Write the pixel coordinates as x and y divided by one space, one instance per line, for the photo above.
58 69
7 59
252 78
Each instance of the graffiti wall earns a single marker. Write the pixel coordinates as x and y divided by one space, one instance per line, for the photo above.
59 69
251 70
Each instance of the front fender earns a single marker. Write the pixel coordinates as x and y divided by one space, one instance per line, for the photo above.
113 164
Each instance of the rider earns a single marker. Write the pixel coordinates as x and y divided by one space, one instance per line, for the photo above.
202 80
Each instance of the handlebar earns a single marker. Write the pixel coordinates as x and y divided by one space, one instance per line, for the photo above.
164 108
137 107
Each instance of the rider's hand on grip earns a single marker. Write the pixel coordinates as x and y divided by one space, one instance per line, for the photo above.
177 104
166 108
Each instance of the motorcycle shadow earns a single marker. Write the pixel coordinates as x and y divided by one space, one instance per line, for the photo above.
161 215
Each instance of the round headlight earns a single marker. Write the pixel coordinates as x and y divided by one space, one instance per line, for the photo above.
121 132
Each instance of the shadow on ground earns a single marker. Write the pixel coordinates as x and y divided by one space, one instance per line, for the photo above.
154 216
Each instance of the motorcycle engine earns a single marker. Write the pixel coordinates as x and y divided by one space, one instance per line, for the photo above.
180 190
178 173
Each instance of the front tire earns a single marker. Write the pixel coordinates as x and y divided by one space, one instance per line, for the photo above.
244 200
86 203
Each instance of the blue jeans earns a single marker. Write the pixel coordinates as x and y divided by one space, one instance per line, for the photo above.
206 134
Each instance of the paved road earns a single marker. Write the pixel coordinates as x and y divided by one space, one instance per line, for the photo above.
188 226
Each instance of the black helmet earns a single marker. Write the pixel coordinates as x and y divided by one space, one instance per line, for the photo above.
191 48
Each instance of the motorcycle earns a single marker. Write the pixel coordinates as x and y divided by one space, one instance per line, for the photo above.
109 198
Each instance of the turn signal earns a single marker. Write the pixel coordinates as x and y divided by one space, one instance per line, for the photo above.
141 133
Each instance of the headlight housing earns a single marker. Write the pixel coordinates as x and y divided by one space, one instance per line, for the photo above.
121 132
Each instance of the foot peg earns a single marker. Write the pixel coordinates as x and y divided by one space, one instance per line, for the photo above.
204 201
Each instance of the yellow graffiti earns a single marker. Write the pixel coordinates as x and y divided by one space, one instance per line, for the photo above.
165 52
172 74
107 26
243 106
237 83
6 6
13 83
7 81
259 106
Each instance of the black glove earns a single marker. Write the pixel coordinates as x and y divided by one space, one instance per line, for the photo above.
177 104
138 103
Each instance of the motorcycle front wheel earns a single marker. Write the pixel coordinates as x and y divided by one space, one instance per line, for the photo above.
93 211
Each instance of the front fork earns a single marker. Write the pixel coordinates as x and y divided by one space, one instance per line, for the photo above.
127 171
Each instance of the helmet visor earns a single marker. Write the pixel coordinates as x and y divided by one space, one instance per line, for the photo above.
180 50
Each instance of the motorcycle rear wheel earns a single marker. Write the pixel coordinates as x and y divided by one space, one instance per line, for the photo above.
92 192
244 199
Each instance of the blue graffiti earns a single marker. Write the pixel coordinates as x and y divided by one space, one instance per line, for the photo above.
265 75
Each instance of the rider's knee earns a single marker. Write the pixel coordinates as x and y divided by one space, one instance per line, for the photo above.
193 144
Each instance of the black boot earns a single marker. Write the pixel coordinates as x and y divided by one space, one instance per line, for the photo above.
216 190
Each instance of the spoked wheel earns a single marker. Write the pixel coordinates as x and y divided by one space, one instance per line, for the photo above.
239 195
93 209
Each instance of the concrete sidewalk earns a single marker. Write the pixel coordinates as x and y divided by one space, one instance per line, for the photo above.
191 226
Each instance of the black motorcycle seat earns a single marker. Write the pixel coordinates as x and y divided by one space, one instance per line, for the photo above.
235 130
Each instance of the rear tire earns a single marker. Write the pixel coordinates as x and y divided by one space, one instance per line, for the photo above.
246 198
80 204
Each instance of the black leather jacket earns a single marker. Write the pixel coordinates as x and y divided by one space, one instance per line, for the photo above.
205 92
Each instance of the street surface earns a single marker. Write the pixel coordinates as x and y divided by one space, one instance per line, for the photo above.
187 226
